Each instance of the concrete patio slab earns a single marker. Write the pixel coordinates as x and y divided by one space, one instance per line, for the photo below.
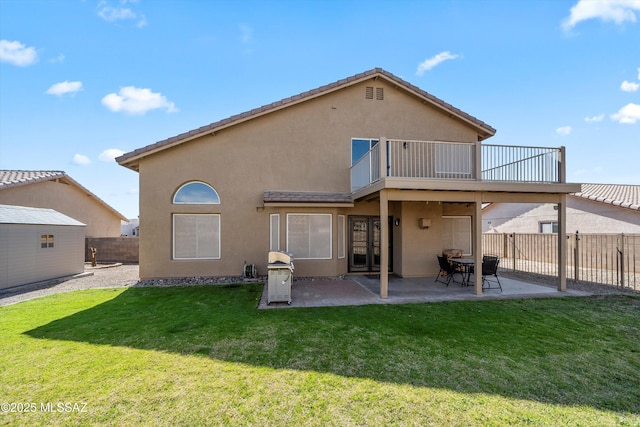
365 289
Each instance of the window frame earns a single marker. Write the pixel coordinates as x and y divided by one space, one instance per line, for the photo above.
330 237
553 224
274 232
342 232
47 241
186 184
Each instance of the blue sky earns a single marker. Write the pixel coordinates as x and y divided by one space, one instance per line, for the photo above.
83 80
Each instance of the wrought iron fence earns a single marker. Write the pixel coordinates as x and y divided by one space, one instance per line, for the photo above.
611 259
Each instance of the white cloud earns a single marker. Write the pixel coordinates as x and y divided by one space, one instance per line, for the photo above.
246 33
57 60
429 63
61 88
17 54
617 11
133 100
629 86
629 114
81 159
564 130
594 119
110 154
120 13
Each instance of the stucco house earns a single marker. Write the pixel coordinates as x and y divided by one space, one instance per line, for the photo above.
596 208
366 174
38 244
57 190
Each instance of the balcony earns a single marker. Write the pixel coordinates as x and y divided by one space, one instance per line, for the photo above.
438 160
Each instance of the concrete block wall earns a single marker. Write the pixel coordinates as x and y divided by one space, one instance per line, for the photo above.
113 249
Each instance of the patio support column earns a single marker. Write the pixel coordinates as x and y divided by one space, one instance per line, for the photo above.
562 243
384 244
477 244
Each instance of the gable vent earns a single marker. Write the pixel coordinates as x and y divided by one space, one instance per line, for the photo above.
368 93
379 93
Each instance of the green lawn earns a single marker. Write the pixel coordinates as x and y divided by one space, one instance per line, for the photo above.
206 355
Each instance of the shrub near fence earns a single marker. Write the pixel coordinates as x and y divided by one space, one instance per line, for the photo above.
113 249
612 259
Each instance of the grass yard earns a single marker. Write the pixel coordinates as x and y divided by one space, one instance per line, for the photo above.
206 356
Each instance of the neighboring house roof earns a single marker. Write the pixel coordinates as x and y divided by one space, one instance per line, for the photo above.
34 216
16 178
130 159
627 196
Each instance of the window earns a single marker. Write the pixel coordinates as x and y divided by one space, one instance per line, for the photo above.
341 236
46 241
274 232
196 236
360 147
309 236
196 193
548 226
456 233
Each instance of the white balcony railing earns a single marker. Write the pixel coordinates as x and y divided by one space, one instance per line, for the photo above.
458 161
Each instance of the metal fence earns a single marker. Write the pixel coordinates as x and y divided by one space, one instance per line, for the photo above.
611 259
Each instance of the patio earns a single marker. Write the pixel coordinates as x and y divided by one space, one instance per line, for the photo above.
365 289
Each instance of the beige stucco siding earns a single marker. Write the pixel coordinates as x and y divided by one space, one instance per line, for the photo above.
584 216
303 148
67 199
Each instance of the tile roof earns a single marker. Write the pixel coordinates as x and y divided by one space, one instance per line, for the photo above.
16 178
128 159
305 197
13 178
34 216
627 196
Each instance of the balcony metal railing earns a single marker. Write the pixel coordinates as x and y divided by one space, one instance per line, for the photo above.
366 170
458 161
520 164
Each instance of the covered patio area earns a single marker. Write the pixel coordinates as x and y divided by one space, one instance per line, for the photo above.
365 289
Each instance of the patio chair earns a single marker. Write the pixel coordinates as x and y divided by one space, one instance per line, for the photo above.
446 267
490 268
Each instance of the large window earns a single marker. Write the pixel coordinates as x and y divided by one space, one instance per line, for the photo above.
456 233
309 236
196 193
196 236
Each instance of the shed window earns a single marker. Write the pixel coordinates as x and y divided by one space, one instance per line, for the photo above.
196 193
46 241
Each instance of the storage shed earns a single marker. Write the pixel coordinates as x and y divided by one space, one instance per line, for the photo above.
38 244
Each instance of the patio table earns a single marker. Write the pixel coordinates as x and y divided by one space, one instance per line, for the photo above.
466 264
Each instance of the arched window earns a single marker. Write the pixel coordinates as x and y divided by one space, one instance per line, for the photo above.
196 193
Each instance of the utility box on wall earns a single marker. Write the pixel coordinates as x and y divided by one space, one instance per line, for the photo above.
424 222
